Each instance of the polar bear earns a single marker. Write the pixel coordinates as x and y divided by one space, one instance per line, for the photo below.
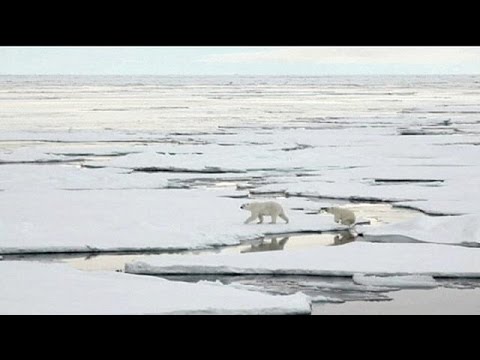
341 216
261 209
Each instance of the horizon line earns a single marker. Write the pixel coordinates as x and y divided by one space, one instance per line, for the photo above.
271 75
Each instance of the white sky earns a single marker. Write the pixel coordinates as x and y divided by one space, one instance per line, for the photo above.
239 60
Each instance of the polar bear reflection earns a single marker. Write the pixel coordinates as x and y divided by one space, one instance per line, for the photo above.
344 237
271 246
341 238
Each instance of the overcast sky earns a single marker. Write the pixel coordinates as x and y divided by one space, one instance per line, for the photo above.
239 60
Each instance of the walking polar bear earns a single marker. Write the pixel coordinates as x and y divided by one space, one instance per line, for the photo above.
261 209
341 216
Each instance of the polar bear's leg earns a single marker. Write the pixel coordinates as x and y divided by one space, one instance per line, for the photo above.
274 219
250 219
260 217
284 217
337 219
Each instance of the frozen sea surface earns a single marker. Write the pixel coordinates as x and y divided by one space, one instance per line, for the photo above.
94 164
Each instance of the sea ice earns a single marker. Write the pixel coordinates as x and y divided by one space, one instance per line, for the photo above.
404 282
443 229
49 289
347 260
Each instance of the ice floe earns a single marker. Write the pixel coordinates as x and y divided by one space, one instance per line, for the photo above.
50 289
444 229
404 282
348 260
121 220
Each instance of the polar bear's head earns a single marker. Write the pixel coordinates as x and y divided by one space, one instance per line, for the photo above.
326 210
245 206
